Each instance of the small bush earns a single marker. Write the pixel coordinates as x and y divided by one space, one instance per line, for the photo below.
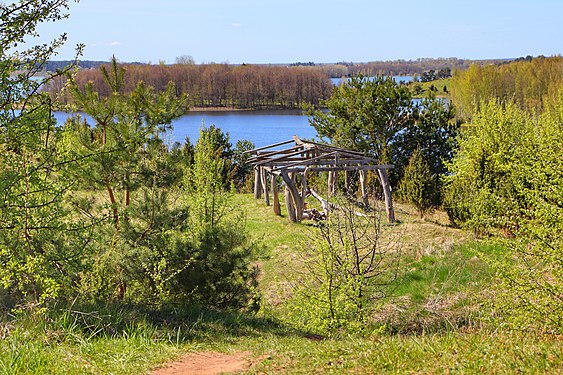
417 187
347 272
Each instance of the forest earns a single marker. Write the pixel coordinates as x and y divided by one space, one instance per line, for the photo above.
254 86
222 85
120 253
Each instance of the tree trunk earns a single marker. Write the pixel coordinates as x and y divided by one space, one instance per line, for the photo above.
113 205
347 182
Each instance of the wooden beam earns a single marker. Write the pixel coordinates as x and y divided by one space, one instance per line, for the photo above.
325 204
297 140
336 168
347 180
265 155
332 180
333 148
304 184
289 205
307 161
269 146
280 157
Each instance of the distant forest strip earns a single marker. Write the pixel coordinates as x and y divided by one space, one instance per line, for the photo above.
222 85
406 67
526 82
342 69
255 86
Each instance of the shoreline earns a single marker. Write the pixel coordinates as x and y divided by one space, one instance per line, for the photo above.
220 109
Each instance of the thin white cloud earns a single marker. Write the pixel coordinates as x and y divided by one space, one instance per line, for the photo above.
236 24
105 44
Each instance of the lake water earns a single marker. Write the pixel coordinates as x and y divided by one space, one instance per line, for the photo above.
262 127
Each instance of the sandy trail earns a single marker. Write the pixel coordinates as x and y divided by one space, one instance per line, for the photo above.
206 363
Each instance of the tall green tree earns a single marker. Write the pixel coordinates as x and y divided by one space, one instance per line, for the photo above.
365 114
122 155
378 117
116 152
222 273
434 134
41 244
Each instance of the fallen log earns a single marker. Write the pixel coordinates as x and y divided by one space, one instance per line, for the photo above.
327 206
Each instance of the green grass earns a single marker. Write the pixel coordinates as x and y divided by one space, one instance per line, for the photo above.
47 349
436 321
474 352
438 84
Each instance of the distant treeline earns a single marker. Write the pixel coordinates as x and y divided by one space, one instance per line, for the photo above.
337 70
223 85
404 67
269 86
53 66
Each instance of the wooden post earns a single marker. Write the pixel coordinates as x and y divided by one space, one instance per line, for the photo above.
289 205
387 193
298 200
295 197
304 183
363 187
275 198
332 179
257 183
347 182
265 186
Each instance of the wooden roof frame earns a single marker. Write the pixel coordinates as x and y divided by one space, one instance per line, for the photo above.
301 157
308 154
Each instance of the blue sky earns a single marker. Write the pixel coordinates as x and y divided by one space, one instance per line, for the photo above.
267 31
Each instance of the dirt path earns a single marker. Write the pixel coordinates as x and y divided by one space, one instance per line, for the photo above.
206 363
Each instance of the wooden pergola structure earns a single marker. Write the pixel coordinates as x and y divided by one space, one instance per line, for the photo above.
298 158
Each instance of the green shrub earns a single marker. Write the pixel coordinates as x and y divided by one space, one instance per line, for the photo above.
347 272
417 187
507 178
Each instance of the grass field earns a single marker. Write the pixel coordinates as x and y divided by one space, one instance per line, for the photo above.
438 84
437 320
